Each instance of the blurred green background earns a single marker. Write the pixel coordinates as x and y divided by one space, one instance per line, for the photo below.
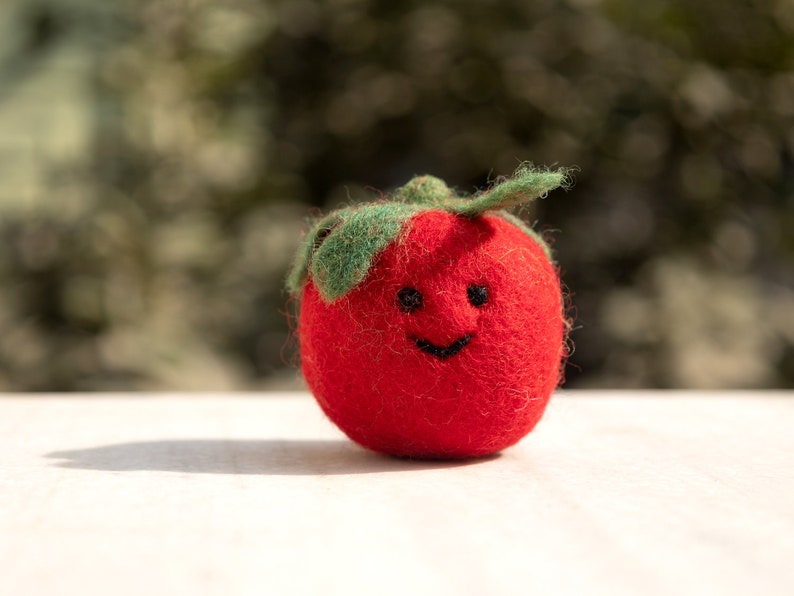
159 159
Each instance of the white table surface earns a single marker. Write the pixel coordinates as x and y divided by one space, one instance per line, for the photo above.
613 493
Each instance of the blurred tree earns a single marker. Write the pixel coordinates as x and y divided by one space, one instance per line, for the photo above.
153 258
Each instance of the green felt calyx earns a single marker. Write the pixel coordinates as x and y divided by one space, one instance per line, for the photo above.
340 248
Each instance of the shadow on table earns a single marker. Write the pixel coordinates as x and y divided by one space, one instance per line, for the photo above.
278 457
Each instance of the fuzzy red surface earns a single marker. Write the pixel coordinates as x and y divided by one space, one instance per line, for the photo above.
360 358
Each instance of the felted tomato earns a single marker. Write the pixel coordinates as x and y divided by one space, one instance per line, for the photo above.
432 325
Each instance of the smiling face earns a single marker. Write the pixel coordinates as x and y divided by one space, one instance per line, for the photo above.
450 347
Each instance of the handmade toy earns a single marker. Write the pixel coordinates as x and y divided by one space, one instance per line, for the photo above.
431 325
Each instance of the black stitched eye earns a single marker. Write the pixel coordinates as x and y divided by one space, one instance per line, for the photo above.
410 299
478 295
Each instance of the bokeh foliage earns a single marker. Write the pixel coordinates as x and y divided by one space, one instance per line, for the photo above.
153 255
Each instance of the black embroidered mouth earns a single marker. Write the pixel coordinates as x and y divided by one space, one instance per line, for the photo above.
442 352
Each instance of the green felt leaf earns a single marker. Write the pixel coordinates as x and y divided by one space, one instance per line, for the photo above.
339 250
299 273
425 190
527 184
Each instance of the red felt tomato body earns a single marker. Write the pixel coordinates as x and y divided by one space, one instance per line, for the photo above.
362 357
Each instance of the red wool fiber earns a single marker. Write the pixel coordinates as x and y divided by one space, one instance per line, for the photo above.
361 358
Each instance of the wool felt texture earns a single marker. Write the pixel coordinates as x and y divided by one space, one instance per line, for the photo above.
449 345
340 248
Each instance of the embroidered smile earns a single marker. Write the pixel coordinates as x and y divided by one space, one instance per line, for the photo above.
443 352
